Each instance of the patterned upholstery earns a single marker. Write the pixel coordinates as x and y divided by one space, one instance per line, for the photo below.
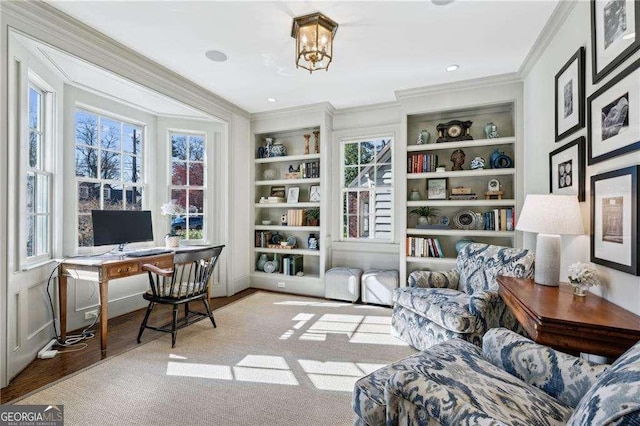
512 381
462 302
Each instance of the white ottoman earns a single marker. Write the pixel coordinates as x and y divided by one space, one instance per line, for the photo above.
378 286
342 284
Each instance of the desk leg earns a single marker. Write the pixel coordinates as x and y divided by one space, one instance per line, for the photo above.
62 301
104 303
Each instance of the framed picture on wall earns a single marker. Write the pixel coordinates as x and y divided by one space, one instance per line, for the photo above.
437 189
613 128
615 34
567 168
614 219
569 96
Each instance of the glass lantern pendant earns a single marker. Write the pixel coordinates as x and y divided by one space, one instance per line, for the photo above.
314 35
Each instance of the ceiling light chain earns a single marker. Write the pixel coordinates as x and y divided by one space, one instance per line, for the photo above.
314 36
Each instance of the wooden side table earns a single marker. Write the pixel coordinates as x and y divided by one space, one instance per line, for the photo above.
553 316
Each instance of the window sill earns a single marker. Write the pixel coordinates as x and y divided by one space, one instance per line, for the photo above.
36 264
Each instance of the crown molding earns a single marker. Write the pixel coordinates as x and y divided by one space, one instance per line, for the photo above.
321 107
44 22
368 107
496 80
556 20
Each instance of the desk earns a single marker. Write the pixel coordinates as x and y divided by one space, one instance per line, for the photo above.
102 269
553 316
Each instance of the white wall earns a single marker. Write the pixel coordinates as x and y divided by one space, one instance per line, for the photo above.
622 289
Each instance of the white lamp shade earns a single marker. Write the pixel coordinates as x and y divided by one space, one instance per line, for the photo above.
551 214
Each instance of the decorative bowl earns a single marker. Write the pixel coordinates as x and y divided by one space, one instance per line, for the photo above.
266 222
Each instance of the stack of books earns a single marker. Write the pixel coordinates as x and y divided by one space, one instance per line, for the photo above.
423 247
292 264
295 217
462 193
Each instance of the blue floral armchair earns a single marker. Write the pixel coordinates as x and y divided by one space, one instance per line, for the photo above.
510 381
462 302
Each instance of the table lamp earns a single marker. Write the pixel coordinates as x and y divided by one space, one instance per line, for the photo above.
550 216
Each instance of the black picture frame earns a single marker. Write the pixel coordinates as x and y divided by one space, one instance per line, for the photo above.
603 103
572 79
567 169
614 236
624 44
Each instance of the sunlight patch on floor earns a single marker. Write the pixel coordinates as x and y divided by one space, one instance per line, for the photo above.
318 304
334 375
172 356
205 371
265 375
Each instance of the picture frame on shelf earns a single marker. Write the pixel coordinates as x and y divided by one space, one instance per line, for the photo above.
615 34
570 96
277 191
614 219
437 189
292 194
314 193
567 169
612 130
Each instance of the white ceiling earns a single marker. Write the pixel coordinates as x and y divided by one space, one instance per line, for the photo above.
380 46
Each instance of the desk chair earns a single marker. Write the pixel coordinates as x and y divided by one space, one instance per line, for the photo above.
187 281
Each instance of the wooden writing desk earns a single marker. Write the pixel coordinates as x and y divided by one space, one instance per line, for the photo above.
102 269
553 316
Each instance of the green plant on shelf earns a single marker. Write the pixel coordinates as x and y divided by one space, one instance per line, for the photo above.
313 216
425 214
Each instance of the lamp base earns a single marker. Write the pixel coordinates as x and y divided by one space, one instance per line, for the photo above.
548 251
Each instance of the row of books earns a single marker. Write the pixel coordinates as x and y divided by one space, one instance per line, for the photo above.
295 217
291 264
422 163
310 169
499 220
263 239
424 247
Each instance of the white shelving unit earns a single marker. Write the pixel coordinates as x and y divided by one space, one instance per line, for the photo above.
503 116
311 281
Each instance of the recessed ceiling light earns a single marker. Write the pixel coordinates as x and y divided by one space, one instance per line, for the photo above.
271 99
216 56
441 2
629 36
453 67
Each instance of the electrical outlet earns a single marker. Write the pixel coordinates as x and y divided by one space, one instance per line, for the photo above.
89 315
280 284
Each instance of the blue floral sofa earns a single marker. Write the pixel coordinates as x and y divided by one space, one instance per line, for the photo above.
463 302
510 381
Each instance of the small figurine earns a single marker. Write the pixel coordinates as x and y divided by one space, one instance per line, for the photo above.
477 163
457 158
306 144
491 130
316 148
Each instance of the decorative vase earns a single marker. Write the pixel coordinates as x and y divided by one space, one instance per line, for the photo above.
423 220
491 130
312 242
267 148
172 241
423 137
477 163
278 150
579 288
414 195
261 261
499 160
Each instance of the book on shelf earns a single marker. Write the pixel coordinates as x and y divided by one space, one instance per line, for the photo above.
295 217
499 219
471 196
422 163
263 239
423 247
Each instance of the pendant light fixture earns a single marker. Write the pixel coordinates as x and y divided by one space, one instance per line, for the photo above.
314 35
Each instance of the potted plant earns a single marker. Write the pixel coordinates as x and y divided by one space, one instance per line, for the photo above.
313 216
172 239
425 214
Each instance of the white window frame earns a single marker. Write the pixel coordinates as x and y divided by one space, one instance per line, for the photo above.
188 186
386 189
44 170
141 183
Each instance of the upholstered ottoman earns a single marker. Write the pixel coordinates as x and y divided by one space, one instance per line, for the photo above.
342 284
378 286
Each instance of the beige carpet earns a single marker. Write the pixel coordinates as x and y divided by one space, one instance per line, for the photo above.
273 360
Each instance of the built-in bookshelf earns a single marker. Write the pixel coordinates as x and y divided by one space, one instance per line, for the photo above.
476 204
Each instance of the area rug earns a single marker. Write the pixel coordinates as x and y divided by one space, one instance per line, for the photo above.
274 359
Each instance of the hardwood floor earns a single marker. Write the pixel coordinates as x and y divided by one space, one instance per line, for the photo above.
123 331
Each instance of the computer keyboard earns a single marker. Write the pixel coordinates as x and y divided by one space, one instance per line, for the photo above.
150 252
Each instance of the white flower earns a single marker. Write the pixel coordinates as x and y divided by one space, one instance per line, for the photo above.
585 273
170 209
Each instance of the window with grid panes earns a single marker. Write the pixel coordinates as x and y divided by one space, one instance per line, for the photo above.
367 189
109 167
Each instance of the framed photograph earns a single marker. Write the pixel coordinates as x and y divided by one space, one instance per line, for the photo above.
437 189
292 194
569 96
567 168
277 191
613 128
314 193
614 219
615 32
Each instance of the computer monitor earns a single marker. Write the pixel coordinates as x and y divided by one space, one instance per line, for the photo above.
121 227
